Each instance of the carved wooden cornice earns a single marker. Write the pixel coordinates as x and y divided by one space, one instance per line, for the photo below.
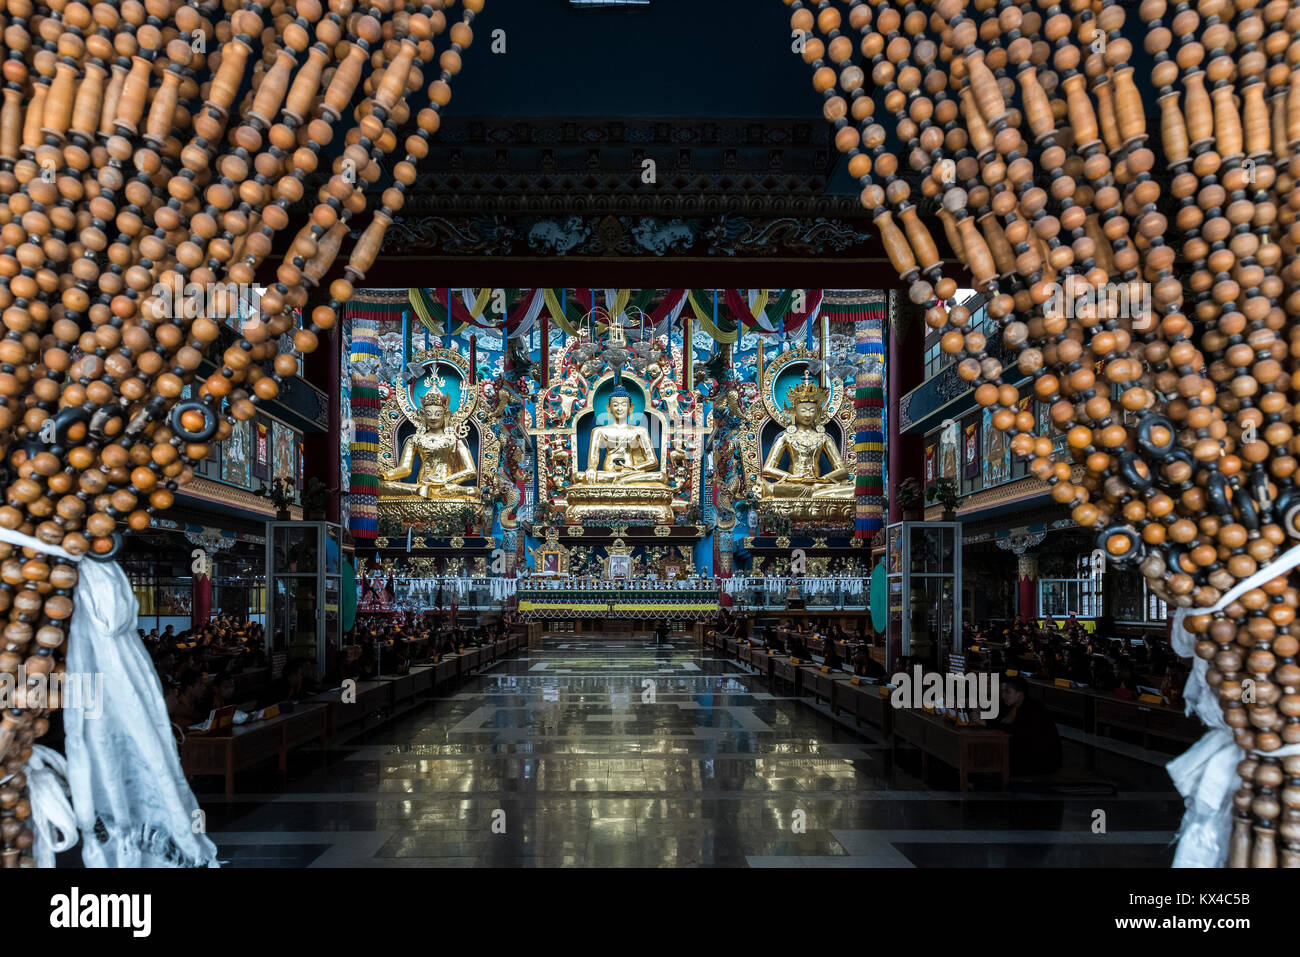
210 491
1027 487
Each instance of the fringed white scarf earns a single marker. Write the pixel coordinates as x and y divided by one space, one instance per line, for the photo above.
129 798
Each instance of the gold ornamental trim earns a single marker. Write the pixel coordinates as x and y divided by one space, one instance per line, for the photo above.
207 489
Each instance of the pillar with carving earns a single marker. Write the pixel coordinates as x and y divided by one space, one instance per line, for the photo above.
1027 576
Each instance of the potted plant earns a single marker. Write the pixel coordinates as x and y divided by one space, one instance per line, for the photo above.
944 491
280 492
910 497
315 497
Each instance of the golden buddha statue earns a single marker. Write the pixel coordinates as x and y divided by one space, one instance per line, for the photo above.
629 455
804 442
623 479
446 462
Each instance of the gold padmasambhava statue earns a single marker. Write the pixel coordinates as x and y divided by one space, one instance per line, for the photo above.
446 462
804 442
623 476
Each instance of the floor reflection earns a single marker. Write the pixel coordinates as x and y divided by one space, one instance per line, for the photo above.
620 753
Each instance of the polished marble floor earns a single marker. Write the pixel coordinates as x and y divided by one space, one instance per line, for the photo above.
615 752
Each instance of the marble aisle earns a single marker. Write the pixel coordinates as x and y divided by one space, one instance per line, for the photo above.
564 755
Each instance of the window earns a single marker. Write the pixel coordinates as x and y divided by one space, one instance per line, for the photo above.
1081 595
936 360
1135 602
286 340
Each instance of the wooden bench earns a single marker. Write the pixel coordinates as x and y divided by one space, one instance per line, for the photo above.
786 671
1072 705
423 676
371 696
248 745
762 659
445 671
970 750
864 702
403 689
816 682
1148 720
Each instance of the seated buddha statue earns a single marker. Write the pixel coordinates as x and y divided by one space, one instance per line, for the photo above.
628 454
446 463
803 443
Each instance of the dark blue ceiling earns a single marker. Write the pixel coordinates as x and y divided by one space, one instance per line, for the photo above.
675 58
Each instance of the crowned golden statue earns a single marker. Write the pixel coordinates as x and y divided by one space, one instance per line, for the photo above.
623 476
446 462
803 443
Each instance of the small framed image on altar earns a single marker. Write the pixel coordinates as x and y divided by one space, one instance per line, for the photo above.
550 564
620 566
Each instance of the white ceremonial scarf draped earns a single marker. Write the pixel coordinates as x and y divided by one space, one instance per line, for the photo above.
468 297
762 320
54 823
497 589
669 321
611 297
529 320
1206 774
132 803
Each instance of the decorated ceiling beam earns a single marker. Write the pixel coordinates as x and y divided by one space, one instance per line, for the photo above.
721 313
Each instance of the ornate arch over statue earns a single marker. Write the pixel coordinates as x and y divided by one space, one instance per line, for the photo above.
596 462
434 446
794 442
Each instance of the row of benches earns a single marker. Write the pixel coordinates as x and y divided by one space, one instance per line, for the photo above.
970 750
331 715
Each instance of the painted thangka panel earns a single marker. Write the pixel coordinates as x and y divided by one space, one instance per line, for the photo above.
1045 427
997 453
383 327
262 449
236 455
970 455
283 458
948 452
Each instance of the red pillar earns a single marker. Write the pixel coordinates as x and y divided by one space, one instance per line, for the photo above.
1027 574
906 453
322 452
200 601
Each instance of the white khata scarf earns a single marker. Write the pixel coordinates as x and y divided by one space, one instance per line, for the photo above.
129 797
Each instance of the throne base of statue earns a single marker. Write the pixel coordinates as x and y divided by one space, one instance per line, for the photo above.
420 512
825 512
614 504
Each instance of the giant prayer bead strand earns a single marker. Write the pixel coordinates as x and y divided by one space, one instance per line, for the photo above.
146 147
1145 284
